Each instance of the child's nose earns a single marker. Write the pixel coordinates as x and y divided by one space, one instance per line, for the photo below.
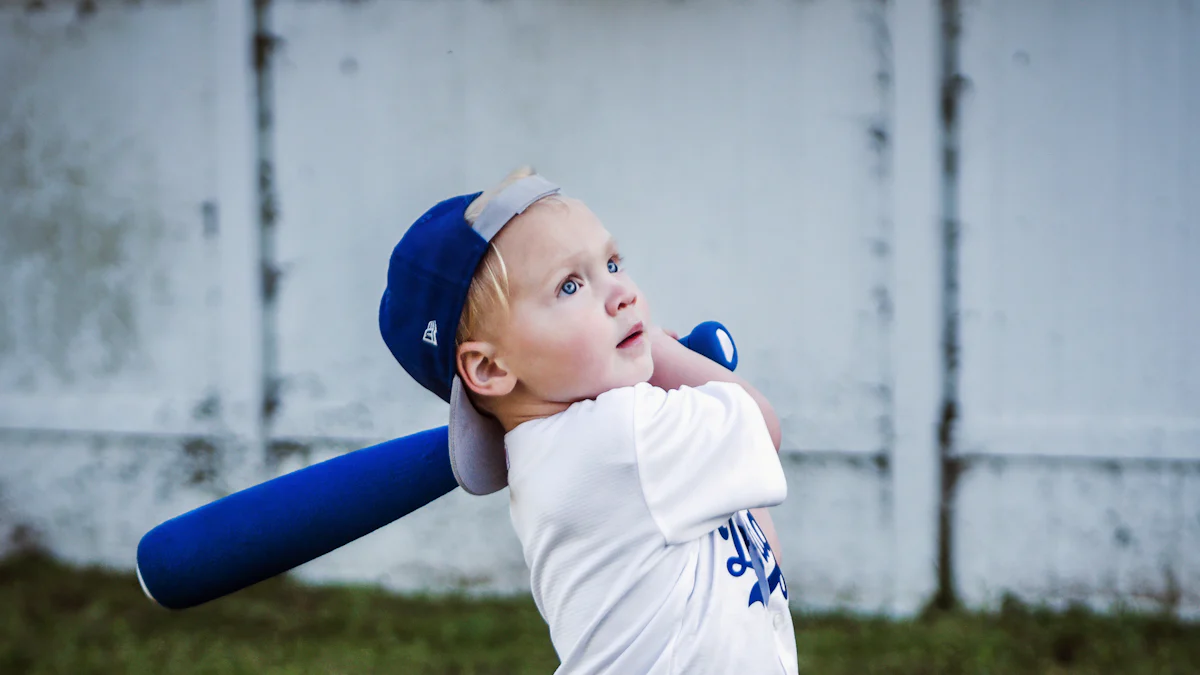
623 295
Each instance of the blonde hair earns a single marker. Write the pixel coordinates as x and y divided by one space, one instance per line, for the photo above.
488 292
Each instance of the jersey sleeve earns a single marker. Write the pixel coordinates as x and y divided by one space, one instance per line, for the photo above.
703 454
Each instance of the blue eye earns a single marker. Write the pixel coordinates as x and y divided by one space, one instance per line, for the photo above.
570 287
613 266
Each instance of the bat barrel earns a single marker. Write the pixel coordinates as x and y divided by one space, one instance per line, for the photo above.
268 529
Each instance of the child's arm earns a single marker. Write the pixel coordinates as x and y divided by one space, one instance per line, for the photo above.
677 366
763 517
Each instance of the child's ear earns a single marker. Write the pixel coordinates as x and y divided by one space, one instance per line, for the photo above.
481 372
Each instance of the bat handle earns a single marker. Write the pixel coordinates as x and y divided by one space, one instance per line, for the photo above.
711 339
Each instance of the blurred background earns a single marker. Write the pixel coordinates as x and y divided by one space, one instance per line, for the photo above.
956 242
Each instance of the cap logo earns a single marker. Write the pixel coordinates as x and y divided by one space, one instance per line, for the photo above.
430 335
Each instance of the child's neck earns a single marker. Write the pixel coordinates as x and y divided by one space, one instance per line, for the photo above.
519 407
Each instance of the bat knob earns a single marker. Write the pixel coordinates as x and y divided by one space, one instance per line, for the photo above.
712 340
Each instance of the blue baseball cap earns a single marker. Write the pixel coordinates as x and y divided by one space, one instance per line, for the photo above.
428 276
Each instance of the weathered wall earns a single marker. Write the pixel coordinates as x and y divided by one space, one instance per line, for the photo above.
114 339
770 164
1080 383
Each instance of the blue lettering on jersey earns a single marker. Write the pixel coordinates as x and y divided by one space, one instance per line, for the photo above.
737 564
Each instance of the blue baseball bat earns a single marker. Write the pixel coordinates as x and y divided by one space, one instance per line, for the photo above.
270 528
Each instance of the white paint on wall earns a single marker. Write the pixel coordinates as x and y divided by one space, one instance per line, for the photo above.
1080 234
1080 230
109 283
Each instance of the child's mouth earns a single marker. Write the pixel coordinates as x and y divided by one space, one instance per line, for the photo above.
631 339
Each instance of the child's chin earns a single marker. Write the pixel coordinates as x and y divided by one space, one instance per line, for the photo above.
640 375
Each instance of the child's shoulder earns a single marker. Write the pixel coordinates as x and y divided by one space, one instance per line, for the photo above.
644 393
589 416
631 411
615 413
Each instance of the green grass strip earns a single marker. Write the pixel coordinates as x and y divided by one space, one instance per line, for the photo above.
63 620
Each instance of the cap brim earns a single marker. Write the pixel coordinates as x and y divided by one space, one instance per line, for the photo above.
476 446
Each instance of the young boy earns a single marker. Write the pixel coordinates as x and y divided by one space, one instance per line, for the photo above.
632 463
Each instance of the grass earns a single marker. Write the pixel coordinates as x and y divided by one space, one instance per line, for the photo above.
56 619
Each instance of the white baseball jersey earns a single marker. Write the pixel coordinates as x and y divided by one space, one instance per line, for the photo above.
632 513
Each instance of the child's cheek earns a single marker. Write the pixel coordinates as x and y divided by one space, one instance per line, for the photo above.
555 345
567 341
574 350
578 354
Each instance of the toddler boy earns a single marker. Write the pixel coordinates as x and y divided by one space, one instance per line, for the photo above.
633 464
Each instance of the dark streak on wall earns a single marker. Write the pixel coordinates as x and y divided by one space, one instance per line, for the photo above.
950 468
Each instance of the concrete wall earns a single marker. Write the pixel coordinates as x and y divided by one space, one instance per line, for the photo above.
771 164
1080 382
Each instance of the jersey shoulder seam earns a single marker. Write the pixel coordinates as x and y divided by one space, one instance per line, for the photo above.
637 466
